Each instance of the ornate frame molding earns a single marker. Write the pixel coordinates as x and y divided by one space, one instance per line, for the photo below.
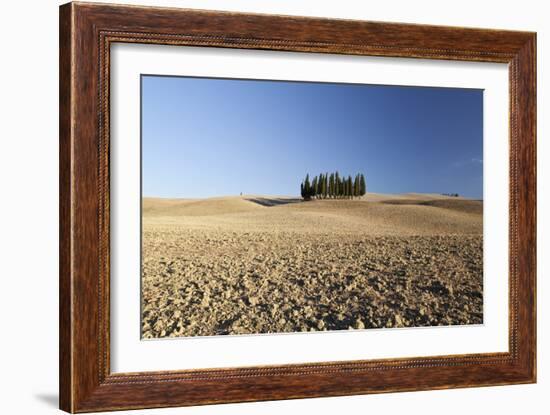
86 33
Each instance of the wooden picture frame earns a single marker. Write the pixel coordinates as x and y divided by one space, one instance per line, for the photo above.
86 33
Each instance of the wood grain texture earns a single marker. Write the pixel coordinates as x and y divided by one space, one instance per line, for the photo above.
86 33
65 246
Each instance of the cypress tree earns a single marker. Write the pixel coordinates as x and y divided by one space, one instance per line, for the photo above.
318 193
317 185
362 185
344 187
307 188
333 186
314 186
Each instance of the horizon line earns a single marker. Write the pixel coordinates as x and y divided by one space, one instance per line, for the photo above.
300 197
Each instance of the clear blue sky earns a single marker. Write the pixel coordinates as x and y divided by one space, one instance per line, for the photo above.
213 137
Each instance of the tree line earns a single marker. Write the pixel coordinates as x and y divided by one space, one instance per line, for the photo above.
333 186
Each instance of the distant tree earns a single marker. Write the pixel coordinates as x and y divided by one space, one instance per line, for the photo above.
314 186
331 185
345 188
307 188
362 185
318 191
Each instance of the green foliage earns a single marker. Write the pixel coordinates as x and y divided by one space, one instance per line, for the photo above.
362 185
315 184
333 186
307 188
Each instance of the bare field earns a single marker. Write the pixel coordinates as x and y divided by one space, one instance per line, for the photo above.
256 264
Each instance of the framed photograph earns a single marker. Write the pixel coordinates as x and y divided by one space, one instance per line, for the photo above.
258 207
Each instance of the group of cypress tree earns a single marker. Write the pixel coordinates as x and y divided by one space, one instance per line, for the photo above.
333 186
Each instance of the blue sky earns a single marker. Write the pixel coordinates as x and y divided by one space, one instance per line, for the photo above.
212 137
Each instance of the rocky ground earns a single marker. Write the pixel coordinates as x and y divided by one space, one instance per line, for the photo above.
205 280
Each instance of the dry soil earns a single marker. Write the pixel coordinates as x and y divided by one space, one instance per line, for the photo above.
257 264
